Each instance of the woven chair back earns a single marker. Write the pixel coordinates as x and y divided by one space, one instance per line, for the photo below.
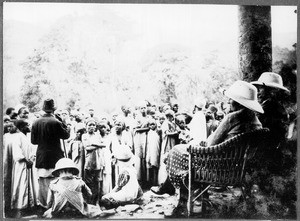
224 164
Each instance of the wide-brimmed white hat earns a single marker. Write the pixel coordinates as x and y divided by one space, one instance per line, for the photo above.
245 94
200 102
124 153
270 79
65 163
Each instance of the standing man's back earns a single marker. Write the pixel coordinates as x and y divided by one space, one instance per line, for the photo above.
46 133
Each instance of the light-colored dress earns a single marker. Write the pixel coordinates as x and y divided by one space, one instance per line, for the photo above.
18 179
153 156
107 181
115 143
198 128
76 153
140 147
153 149
168 142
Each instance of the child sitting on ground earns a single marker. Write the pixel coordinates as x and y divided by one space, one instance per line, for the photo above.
127 189
66 194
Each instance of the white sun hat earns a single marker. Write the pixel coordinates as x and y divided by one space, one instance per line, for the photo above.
65 163
270 79
200 102
124 153
245 94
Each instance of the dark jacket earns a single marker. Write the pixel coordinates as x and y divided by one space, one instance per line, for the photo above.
275 118
234 123
46 133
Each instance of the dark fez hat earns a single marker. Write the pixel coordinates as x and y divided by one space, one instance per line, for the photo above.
49 105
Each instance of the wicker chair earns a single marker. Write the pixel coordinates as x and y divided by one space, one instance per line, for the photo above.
222 164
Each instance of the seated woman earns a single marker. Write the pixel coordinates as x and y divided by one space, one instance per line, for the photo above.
243 105
127 189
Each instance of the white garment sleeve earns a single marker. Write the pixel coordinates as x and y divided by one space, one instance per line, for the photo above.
198 127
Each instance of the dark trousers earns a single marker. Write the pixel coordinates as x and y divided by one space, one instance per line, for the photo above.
168 187
92 180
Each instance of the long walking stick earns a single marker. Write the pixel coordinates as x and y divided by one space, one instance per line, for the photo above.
63 141
189 202
57 116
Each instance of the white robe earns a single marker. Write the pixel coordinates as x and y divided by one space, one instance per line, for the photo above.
23 187
130 191
114 145
198 128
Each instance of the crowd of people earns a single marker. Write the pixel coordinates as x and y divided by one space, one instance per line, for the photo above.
71 163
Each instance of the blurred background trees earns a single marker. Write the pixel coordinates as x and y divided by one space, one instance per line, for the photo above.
93 61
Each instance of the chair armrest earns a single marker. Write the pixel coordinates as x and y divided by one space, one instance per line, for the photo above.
197 149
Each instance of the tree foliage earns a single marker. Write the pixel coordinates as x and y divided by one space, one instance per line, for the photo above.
286 65
36 82
78 62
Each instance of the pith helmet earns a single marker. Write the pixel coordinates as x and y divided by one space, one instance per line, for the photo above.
65 163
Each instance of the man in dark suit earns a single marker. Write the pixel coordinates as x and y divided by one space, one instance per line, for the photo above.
46 133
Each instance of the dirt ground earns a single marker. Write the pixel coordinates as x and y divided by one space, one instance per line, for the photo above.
153 206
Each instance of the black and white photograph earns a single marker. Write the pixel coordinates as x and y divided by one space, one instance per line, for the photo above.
149 110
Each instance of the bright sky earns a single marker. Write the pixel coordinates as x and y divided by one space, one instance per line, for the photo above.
171 23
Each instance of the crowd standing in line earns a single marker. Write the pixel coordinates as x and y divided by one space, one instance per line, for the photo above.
110 161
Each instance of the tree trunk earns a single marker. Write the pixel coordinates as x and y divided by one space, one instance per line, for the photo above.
255 43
